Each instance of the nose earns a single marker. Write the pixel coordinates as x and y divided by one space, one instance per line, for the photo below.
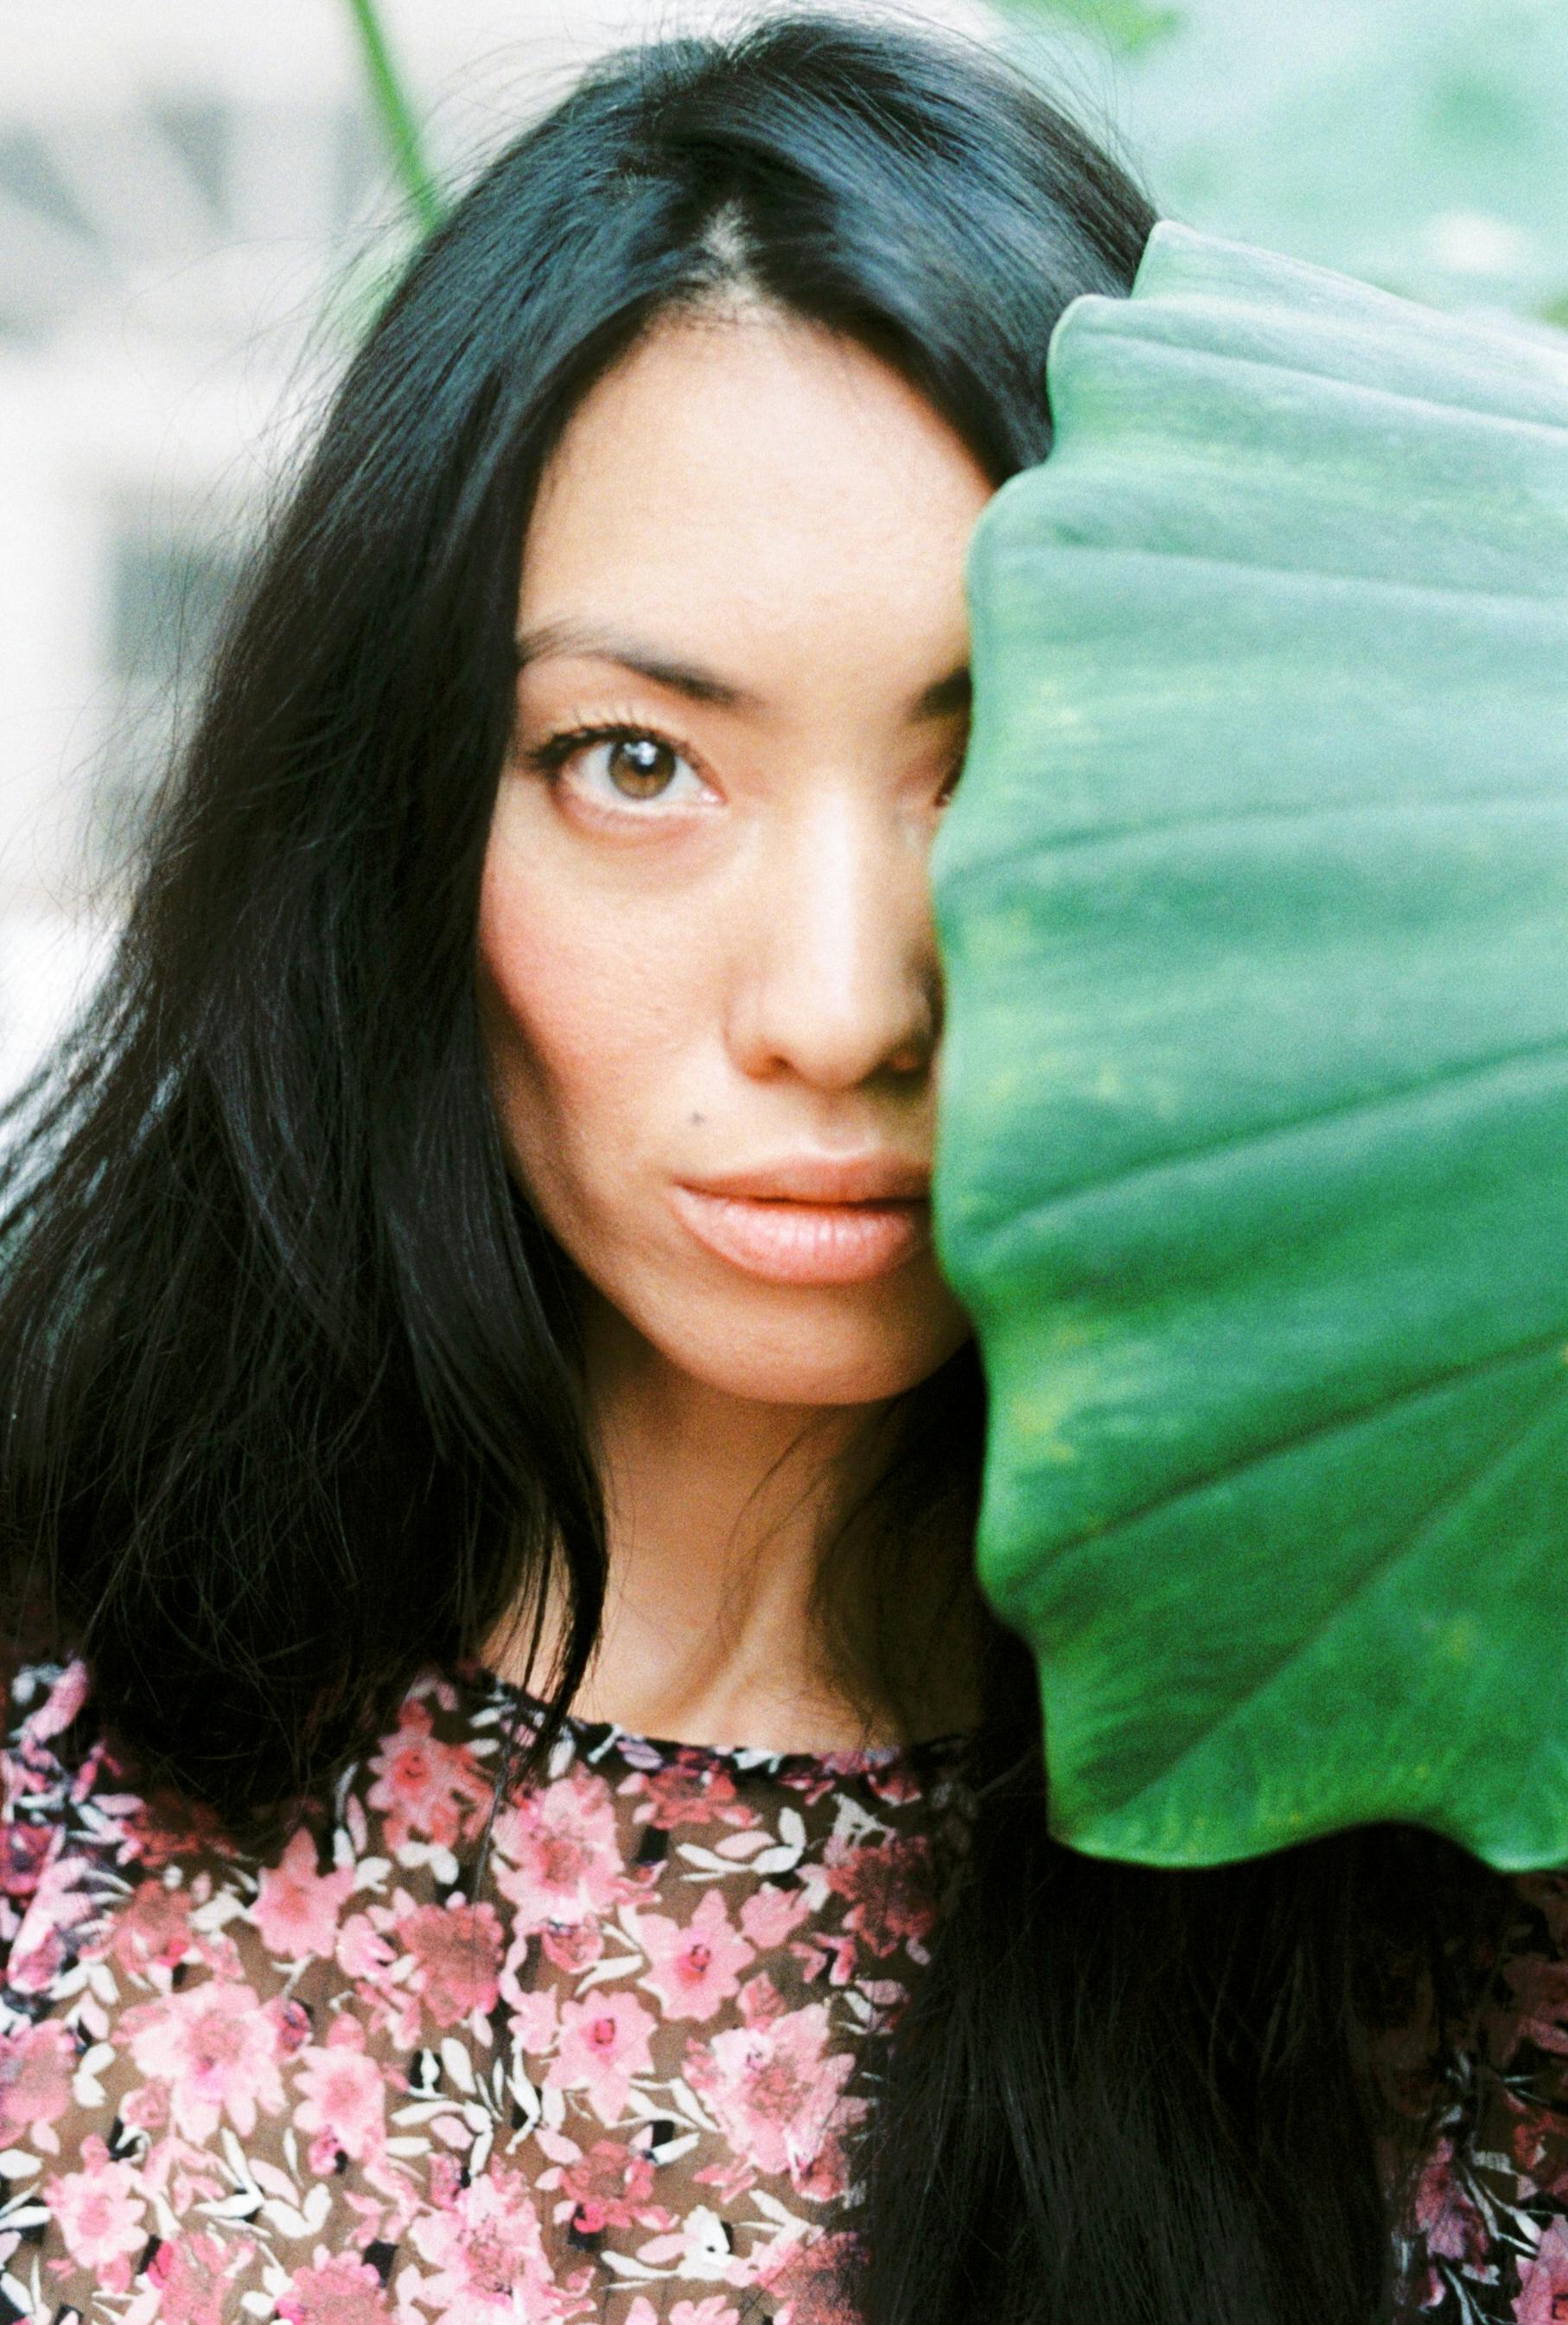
836 978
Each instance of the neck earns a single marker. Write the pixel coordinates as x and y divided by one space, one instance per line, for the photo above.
716 1507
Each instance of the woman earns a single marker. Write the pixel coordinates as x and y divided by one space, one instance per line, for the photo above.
516 1808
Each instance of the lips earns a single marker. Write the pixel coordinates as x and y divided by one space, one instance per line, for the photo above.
813 1221
823 1179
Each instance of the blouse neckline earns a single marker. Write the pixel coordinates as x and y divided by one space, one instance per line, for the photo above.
593 1738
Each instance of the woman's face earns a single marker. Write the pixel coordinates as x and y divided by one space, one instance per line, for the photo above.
708 982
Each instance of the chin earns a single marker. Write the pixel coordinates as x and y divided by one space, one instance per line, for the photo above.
825 1362
775 1345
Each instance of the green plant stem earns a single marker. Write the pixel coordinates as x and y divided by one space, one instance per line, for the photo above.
396 115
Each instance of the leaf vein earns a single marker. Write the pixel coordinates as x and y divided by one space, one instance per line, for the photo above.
1002 1252
1452 1497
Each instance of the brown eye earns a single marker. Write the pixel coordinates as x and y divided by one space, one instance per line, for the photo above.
610 769
640 766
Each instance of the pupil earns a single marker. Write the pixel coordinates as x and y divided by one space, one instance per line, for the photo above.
637 766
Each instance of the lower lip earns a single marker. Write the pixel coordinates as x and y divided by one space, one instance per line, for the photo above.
806 1243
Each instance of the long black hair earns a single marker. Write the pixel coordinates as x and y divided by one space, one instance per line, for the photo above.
287 1373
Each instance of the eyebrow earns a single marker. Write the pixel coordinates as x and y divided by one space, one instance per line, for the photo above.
938 700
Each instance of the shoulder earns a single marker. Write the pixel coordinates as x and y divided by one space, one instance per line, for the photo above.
78 1831
56 1819
1488 2206
140 2004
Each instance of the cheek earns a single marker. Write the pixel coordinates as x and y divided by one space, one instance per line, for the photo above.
551 1036
602 1020
580 1045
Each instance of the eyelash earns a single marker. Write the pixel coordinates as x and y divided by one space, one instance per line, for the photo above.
548 759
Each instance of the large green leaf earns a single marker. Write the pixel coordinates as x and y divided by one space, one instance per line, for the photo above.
1127 26
1253 1153
1422 144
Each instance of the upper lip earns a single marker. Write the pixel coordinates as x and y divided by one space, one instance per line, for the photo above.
823 1179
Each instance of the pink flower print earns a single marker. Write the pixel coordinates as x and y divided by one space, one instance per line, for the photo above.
714 2310
489 2255
446 2180
362 1952
154 1832
421 1784
692 1970
1540 1990
825 2179
99 2212
811 1780
343 2111
292 2020
811 2275
296 1907
572 1949
215 2048
1536 2144
760 2000
184 2175
22 1849
60 1706
771 1913
1453 2228
772 2088
890 1888
534 2016
690 1788
603 2042
457 1951
189 2279
1544 2280
558 1853
145 2109
838 1955
36 2067
1527 2148
339 2289
610 2187
154 1931
895 1785
58 1905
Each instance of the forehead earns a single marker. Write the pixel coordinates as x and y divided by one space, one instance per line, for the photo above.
752 477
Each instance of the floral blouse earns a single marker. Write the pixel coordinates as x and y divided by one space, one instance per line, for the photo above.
338 2088
1488 2244
613 2080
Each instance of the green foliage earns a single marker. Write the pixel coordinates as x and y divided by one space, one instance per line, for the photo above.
1422 145
1129 26
393 110
1253 1154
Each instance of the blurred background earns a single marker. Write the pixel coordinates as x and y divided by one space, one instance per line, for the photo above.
197 204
